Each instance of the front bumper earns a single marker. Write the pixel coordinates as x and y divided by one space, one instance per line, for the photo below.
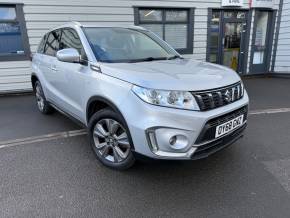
143 118
206 144
214 146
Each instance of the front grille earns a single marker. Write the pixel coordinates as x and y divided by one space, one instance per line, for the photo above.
211 99
208 132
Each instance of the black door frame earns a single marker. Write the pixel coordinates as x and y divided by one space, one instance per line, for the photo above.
269 40
246 38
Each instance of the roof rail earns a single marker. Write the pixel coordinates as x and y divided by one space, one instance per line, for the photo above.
76 23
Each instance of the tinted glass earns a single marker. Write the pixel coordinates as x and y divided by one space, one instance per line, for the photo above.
10 39
70 39
7 13
42 44
52 43
150 15
125 45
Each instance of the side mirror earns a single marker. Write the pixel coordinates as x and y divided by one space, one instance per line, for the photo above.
70 55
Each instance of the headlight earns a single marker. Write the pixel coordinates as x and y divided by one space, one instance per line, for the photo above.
174 99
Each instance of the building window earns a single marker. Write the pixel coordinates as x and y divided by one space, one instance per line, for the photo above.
214 36
175 26
13 37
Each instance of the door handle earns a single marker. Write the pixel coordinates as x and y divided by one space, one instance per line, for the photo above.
53 68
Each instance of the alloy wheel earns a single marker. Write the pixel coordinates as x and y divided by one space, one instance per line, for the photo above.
111 140
39 98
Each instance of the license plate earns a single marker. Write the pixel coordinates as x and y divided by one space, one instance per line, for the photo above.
229 126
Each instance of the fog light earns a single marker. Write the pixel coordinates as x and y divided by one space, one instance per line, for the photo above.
178 142
173 140
169 140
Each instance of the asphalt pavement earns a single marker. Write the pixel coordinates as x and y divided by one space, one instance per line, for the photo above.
61 177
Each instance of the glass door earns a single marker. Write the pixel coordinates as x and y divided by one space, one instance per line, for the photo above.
233 45
261 43
227 38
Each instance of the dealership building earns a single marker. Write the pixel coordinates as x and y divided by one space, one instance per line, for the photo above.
250 36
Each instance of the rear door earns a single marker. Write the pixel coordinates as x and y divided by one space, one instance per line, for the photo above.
38 62
49 69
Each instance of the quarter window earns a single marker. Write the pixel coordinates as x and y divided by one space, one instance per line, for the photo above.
175 26
13 36
40 48
52 43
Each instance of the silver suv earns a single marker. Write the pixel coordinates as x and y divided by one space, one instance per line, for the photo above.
137 95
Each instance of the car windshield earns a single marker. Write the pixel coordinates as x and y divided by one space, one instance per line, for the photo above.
115 45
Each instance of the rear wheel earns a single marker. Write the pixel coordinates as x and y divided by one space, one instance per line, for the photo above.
110 140
42 104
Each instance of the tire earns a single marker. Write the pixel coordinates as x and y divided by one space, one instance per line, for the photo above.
42 104
111 140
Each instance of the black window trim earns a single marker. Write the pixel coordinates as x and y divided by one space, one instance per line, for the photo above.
21 21
189 22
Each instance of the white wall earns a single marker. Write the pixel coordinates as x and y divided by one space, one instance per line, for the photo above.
282 64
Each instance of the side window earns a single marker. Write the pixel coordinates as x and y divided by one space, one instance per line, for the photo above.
41 45
70 39
52 43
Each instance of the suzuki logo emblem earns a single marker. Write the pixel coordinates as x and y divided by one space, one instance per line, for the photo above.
228 96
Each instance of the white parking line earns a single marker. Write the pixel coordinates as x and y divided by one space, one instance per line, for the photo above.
270 111
68 134
42 138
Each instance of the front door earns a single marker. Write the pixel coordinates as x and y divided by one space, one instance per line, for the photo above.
261 49
227 38
72 76
233 44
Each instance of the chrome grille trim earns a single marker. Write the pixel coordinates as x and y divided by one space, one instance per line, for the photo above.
211 99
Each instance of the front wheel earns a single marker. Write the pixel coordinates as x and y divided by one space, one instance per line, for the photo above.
111 140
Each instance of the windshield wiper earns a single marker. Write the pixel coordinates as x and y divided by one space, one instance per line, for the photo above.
148 59
175 57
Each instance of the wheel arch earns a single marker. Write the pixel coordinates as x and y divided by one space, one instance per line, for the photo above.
97 103
34 79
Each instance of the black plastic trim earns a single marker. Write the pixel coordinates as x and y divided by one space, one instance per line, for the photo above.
215 146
